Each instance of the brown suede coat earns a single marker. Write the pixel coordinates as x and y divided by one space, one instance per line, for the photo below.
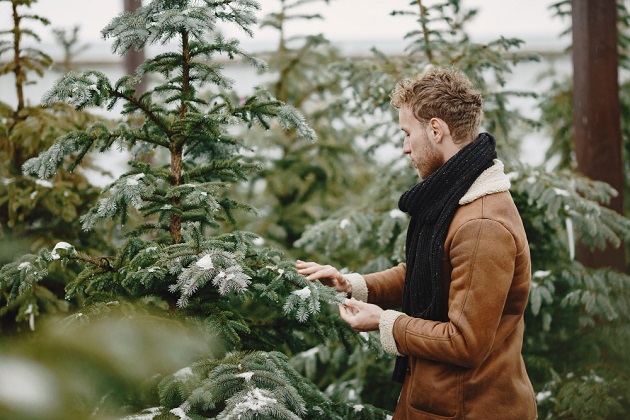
471 366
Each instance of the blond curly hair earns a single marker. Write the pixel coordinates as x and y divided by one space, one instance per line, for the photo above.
446 94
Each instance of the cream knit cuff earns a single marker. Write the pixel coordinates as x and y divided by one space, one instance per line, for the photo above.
386 326
359 287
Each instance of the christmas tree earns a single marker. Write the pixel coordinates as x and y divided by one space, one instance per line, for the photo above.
303 181
34 212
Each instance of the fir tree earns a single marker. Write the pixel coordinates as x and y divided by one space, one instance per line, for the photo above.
69 42
580 311
303 180
185 260
35 212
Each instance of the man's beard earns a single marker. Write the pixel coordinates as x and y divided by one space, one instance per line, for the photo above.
431 161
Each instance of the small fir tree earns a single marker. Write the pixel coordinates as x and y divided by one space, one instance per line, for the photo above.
35 212
69 41
303 180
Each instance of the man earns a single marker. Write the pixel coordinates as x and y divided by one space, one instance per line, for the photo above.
465 283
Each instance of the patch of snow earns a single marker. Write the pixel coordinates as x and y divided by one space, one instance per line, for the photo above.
60 245
44 183
179 412
561 192
246 375
167 207
133 180
258 241
205 262
24 266
541 274
358 407
31 316
344 223
148 416
303 293
33 195
512 175
255 400
570 237
183 373
542 396
310 352
397 214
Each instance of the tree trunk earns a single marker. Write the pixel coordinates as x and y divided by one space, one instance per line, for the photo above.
596 109
134 58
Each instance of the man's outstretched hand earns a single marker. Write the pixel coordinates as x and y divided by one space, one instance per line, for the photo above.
360 315
327 274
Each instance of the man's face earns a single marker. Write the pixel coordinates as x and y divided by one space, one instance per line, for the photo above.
424 155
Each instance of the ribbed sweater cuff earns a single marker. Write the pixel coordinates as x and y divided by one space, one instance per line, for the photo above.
386 326
359 287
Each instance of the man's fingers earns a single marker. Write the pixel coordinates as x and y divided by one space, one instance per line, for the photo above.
355 304
343 312
309 270
300 263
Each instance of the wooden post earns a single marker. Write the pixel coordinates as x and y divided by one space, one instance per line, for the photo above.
134 58
596 109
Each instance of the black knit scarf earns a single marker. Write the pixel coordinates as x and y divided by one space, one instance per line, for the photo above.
431 204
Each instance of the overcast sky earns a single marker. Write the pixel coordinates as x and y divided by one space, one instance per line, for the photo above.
345 20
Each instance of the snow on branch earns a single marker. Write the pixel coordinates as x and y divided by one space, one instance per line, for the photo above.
218 267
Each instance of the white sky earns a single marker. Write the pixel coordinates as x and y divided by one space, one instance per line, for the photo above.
348 20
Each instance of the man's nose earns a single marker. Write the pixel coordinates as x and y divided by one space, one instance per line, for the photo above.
406 147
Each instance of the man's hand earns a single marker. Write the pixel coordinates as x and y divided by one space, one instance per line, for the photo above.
360 315
327 274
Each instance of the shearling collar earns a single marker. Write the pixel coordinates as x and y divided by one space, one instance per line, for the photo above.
492 180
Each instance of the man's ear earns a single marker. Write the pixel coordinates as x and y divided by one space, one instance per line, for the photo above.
438 129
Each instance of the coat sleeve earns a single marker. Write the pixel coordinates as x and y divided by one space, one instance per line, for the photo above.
385 288
482 256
